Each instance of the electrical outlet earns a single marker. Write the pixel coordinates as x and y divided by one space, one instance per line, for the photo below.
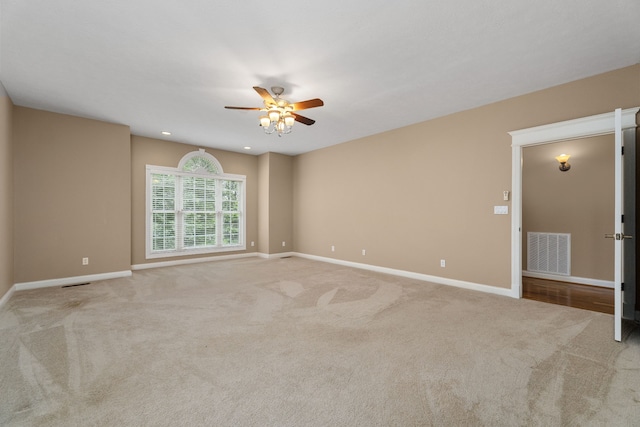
364 252
284 243
443 263
85 261
252 243
333 248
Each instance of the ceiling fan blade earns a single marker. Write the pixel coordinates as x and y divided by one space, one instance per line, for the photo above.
311 103
302 119
243 108
264 94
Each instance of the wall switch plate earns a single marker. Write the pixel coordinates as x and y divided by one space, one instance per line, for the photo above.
443 263
501 210
505 195
284 243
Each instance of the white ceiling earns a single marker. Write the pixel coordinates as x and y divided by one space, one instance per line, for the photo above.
378 65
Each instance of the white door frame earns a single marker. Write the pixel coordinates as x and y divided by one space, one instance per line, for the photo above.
601 124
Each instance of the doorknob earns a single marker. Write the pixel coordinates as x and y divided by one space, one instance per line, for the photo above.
618 236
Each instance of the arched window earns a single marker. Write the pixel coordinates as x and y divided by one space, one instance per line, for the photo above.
200 162
194 208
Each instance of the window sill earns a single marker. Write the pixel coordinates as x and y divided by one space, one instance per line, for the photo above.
203 251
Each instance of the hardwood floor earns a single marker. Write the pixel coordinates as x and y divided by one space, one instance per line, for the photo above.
587 297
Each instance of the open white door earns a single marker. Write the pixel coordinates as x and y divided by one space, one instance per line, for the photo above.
619 228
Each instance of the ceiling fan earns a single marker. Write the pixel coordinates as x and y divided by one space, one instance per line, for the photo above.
279 113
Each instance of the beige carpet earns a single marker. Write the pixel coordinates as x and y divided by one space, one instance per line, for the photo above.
294 342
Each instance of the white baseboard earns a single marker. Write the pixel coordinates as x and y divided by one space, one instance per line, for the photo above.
191 261
276 256
411 275
570 279
7 295
70 280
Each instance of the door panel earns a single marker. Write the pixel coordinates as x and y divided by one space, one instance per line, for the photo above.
618 236
629 203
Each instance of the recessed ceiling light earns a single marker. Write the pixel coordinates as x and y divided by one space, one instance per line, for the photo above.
247 148
164 132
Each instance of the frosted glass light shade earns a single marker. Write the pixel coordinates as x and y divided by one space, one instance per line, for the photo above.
289 120
274 115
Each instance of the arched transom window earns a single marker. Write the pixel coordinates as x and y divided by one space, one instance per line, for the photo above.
200 162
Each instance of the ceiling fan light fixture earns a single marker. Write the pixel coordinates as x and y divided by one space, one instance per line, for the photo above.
278 113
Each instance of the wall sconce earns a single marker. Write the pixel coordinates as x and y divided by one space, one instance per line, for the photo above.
563 160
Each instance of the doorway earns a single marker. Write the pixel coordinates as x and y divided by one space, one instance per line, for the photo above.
565 214
601 124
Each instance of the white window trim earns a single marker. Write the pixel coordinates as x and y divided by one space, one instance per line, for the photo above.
150 169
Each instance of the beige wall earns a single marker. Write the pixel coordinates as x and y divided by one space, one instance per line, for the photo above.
149 151
426 192
579 201
276 203
280 203
72 180
263 203
6 193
